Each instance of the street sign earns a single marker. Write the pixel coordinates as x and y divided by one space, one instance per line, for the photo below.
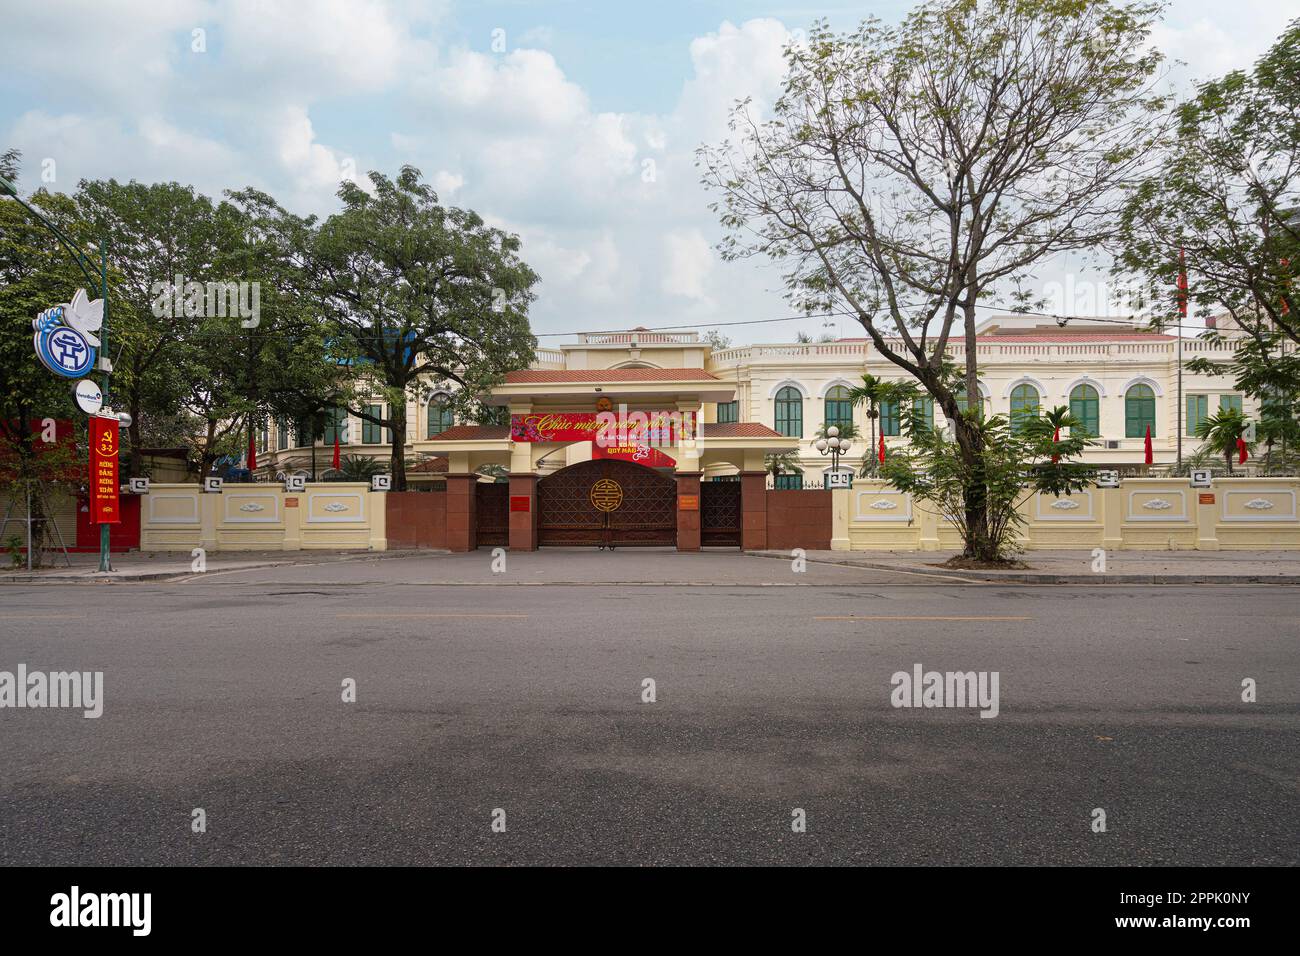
89 398
65 339
104 489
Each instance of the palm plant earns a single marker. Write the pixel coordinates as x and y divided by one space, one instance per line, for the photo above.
869 393
873 393
783 463
358 468
1223 431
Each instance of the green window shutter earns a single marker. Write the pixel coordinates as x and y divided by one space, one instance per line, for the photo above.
1024 405
1085 406
789 412
889 418
1139 412
1198 409
923 409
839 408
728 412
1230 401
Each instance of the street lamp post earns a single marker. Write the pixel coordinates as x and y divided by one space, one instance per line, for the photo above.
93 278
833 445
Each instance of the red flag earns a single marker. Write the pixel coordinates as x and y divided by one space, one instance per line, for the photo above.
1147 446
1182 283
882 449
1242 453
1056 436
336 451
252 454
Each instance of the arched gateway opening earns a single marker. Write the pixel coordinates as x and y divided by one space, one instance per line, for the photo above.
607 502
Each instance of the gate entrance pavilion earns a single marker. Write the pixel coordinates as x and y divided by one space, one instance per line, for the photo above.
565 490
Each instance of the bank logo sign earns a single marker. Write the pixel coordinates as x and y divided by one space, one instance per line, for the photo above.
65 340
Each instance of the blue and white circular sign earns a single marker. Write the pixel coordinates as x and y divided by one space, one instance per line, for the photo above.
63 349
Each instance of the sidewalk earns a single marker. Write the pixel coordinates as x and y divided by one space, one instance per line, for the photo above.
1075 567
167 565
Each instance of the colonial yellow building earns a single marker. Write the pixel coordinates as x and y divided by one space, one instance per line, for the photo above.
1119 379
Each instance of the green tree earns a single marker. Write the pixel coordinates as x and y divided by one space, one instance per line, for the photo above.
411 290
906 173
1224 205
1015 463
1222 431
36 272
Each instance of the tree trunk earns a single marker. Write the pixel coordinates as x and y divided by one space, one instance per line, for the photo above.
978 544
397 459
1227 457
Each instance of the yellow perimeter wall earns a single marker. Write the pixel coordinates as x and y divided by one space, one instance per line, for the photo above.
262 517
1143 514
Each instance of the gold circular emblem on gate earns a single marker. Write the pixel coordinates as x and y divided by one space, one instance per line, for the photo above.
606 495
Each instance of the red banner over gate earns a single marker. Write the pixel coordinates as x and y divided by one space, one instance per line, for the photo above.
104 507
661 427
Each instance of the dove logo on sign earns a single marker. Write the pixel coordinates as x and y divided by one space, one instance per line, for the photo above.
65 339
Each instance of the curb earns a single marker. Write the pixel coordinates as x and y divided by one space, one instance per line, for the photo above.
127 577
1050 577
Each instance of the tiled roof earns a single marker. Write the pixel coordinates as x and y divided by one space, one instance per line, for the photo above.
737 430
430 466
531 375
473 433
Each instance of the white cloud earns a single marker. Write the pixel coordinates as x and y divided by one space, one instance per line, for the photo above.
292 97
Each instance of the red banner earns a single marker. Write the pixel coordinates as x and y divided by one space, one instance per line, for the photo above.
665 428
641 454
104 507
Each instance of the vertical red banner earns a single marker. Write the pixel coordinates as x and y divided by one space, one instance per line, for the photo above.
104 507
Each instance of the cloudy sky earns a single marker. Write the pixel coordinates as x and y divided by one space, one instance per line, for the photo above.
571 122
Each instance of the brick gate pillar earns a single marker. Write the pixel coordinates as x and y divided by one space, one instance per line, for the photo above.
753 510
523 512
688 511
462 520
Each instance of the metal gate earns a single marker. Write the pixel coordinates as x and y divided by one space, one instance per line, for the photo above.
492 514
720 514
642 506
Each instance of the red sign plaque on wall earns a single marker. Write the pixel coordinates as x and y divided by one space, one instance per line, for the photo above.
104 508
640 453
520 503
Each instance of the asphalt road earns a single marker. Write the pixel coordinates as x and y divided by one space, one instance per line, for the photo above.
224 693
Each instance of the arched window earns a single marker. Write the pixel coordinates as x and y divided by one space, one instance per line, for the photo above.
1024 406
839 407
789 412
964 405
1139 411
440 418
1084 405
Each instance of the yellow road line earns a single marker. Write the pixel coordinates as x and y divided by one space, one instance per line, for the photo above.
914 617
368 614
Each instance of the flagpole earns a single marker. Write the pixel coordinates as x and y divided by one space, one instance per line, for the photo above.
1182 313
1180 396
